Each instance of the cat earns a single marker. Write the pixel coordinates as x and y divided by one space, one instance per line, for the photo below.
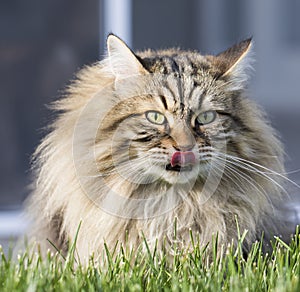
143 140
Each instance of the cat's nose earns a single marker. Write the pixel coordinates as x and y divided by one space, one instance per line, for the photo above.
182 137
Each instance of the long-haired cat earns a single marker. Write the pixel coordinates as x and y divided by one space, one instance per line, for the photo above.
143 140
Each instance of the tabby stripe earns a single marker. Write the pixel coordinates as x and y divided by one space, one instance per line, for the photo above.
175 67
224 113
181 97
237 121
164 102
144 139
118 121
172 92
201 99
191 93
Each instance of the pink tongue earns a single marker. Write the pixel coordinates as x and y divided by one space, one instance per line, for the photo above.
183 158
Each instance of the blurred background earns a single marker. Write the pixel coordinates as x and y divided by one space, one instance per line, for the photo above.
43 43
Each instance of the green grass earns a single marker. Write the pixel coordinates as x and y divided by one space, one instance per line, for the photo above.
128 270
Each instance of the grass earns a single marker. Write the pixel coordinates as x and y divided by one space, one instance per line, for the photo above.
128 270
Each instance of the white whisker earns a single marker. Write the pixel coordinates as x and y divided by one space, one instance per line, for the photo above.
269 171
255 171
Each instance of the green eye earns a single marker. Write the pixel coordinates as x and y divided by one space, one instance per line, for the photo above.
155 117
206 117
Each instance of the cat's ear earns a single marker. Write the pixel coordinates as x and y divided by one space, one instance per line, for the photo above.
235 62
123 61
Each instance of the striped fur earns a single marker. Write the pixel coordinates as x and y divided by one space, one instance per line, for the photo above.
103 113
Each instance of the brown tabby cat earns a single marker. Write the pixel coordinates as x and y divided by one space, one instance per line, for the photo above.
142 139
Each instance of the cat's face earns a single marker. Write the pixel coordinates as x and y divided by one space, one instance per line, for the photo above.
164 138
175 112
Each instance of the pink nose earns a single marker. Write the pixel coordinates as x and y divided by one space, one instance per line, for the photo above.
183 158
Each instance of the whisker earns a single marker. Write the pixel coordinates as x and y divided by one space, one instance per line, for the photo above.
127 166
269 171
239 175
257 172
248 179
253 167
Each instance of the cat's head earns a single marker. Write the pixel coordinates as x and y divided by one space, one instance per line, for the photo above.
157 121
173 111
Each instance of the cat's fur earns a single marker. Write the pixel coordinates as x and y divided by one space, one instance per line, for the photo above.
103 112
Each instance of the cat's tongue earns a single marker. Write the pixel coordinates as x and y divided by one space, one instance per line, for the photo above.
183 158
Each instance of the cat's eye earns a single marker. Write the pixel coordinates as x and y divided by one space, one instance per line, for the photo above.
155 117
206 117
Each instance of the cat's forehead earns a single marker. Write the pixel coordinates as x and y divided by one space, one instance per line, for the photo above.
187 80
175 62
181 97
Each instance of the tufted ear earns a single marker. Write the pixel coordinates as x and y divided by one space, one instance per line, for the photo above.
234 63
123 61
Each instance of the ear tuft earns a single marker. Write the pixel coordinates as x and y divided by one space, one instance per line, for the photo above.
123 61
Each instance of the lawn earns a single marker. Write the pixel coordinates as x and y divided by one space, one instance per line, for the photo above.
136 270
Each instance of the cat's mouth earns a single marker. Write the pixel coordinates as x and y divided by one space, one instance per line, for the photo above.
181 161
178 168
